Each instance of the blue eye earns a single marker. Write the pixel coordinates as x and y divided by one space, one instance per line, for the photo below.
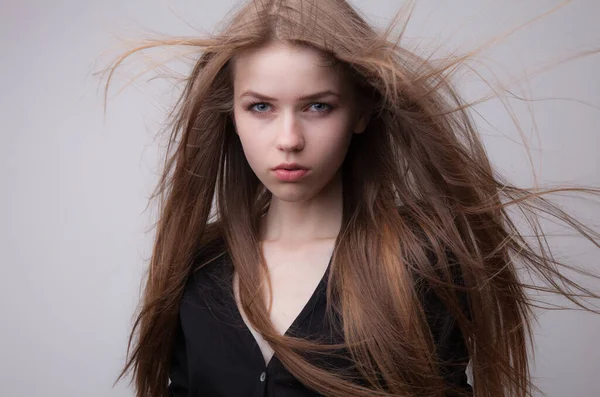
324 107
255 107
263 107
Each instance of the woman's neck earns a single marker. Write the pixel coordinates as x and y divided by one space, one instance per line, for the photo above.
297 222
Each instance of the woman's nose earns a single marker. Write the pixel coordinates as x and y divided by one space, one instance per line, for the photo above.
289 135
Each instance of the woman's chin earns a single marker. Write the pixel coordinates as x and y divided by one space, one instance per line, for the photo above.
292 193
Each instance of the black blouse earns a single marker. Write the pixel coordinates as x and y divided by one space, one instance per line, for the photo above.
216 355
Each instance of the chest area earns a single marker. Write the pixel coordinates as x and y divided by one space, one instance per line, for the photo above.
296 283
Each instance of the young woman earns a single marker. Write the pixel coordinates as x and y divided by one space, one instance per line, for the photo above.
331 224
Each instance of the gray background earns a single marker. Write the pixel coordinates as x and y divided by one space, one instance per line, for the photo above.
74 238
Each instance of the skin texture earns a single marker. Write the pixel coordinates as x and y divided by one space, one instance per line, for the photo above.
298 233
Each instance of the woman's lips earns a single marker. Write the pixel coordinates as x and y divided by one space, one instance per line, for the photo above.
290 172
290 175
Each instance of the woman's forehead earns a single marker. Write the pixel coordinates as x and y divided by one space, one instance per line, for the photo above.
300 70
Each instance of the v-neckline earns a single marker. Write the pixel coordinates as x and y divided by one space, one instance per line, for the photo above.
308 307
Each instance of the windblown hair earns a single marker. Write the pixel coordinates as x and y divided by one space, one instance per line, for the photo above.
420 153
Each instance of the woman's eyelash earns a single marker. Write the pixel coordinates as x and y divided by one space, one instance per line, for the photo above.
251 106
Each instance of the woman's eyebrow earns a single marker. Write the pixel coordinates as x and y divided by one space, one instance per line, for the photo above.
309 97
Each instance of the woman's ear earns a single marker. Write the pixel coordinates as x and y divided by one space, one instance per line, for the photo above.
363 120
232 118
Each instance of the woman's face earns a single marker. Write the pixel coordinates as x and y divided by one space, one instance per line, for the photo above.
295 118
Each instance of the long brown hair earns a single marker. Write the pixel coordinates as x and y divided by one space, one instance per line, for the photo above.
420 153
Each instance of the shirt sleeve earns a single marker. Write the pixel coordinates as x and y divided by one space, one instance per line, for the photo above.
178 372
449 341
453 354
